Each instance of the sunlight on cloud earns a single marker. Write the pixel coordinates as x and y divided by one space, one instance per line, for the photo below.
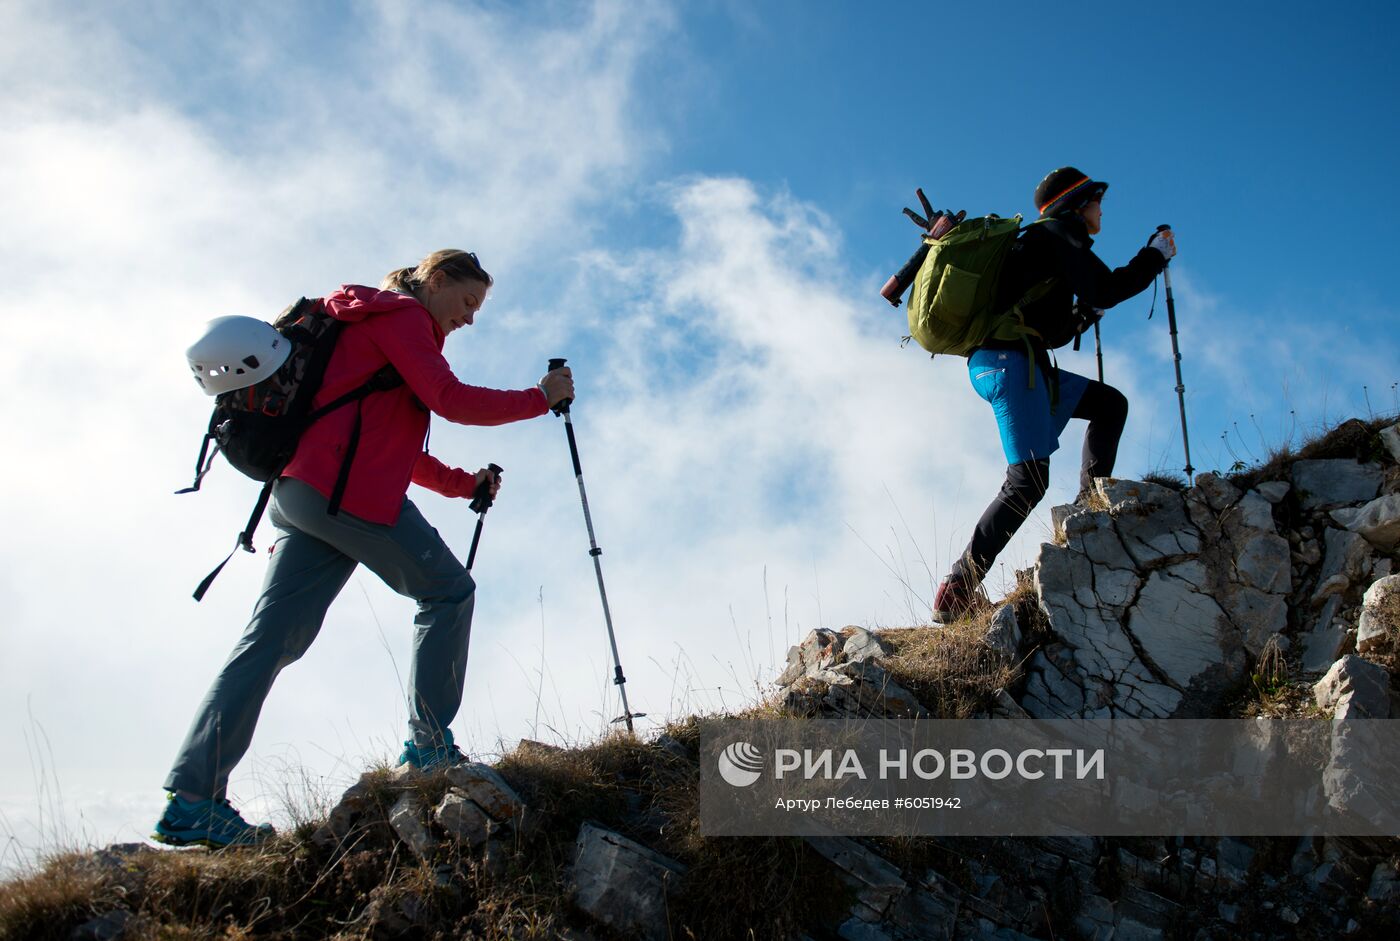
131 219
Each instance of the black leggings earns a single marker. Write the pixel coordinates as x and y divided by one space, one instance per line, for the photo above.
1106 410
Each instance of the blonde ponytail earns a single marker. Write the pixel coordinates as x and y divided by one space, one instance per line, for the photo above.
455 263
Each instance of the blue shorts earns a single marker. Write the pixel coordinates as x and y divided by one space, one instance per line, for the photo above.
1029 430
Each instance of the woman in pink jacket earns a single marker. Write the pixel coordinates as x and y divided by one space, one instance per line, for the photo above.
401 324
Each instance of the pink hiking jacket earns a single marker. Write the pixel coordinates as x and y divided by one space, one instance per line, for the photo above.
385 327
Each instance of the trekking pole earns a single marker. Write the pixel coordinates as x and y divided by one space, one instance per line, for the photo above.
619 680
481 502
1176 355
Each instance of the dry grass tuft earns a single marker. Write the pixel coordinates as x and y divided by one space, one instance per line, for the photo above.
66 892
1291 700
1353 438
1168 479
950 669
1026 602
1270 675
1273 693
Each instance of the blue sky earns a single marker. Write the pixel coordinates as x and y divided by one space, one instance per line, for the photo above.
696 203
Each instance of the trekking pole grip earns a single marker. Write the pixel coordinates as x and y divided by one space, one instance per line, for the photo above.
558 363
481 499
1164 227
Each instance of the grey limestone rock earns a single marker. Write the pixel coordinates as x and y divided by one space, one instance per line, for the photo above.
407 819
1060 515
822 649
859 645
1327 639
1049 693
876 880
1218 493
817 651
1348 556
1164 534
1263 561
1385 883
464 820
1274 490
1258 615
1005 706
1354 678
1095 918
1177 625
346 817
1379 628
1360 779
487 789
623 884
1335 481
1004 634
1252 512
920 913
866 688
1390 438
1378 521
1152 613
1119 494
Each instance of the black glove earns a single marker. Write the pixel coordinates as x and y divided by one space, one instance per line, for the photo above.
1085 317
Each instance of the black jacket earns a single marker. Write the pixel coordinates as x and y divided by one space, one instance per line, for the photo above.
1061 248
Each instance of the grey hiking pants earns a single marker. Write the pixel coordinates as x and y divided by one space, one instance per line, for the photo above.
312 559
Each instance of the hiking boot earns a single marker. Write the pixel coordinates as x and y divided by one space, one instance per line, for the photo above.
432 757
210 823
953 601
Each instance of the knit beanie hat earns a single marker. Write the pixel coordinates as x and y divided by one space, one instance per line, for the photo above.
1066 188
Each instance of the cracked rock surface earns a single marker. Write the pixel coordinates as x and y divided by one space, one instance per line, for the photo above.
1156 601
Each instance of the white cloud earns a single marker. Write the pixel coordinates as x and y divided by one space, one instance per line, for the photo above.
131 218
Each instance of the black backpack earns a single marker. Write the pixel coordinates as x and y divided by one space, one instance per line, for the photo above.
257 428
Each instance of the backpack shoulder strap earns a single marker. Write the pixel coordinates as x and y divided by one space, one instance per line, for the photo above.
387 378
201 466
245 539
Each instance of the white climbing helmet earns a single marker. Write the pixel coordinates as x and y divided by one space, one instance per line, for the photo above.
236 352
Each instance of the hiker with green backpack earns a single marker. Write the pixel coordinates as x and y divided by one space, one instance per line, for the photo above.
338 500
1004 297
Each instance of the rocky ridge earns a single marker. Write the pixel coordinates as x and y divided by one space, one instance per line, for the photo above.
1154 603
1150 603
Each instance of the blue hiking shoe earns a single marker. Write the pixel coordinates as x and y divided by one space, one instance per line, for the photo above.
210 823
432 757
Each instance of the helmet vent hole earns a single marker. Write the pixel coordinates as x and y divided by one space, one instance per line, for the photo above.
251 362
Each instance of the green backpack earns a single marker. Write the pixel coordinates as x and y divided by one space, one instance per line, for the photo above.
952 304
